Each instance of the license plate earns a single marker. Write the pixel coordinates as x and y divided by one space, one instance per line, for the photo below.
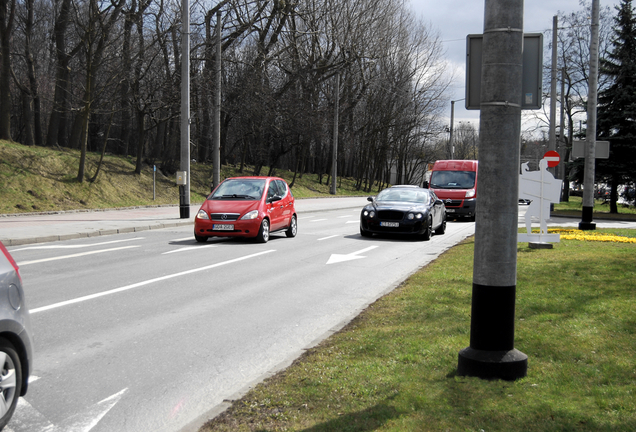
223 227
390 224
450 210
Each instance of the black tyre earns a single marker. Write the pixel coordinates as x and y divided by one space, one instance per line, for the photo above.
200 239
263 232
429 229
293 228
442 228
364 233
10 381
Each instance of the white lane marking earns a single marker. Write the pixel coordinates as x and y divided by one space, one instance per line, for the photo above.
183 239
26 415
23 263
189 248
352 222
327 238
143 283
75 246
317 220
345 216
336 258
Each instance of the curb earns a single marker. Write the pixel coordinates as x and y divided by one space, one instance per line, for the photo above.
126 230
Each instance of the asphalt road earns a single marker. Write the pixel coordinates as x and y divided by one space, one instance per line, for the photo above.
150 331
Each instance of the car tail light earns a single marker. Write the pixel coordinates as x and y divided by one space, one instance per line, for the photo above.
11 260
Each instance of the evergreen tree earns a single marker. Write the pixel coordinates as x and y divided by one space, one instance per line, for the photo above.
617 105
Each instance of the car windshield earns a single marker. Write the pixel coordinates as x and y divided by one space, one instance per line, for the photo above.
403 195
239 189
453 179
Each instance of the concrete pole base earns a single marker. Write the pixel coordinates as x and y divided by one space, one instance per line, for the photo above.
505 365
587 226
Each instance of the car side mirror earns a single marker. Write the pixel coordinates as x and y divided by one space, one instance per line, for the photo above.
425 185
370 199
438 201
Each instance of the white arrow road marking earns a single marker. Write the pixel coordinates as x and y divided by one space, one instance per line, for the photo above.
27 418
336 258
189 248
23 263
75 246
144 283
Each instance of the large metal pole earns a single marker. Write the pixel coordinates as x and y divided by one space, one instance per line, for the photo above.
184 190
216 154
334 162
553 89
452 124
491 353
590 136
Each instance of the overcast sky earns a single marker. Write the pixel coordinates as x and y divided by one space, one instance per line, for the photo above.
455 19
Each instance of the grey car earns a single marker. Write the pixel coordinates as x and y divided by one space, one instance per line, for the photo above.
16 347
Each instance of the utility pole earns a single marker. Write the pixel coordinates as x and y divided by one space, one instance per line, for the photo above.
216 155
590 136
184 190
334 162
491 353
450 137
553 88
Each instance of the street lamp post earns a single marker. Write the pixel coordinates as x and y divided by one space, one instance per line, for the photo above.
452 121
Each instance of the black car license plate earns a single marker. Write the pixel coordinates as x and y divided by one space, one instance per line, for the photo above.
390 224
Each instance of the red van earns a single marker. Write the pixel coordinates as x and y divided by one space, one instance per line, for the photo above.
455 183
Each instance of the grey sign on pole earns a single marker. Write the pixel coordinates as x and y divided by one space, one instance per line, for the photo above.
601 150
532 71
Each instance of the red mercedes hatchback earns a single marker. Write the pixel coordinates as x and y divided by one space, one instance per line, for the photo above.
250 207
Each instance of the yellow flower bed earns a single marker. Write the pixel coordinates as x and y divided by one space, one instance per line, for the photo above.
574 234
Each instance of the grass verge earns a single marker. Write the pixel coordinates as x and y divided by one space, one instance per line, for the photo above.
393 368
574 207
38 179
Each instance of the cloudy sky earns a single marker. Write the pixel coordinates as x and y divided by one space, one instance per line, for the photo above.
455 19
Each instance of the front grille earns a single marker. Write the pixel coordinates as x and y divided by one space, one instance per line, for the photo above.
224 216
453 203
390 215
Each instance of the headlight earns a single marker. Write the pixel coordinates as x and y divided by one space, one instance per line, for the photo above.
202 215
470 193
369 214
418 216
410 216
251 215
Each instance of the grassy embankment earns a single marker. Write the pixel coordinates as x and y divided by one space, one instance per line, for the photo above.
36 179
394 367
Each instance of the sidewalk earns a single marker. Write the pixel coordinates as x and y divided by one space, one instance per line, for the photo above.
21 229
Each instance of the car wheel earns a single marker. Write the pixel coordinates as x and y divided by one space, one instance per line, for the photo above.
10 381
200 239
263 232
429 229
442 228
293 227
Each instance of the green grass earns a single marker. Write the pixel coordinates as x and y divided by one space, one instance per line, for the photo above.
393 368
37 179
601 209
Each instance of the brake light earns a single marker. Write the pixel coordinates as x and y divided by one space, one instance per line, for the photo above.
11 260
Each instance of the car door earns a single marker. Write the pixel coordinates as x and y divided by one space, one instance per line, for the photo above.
287 202
275 207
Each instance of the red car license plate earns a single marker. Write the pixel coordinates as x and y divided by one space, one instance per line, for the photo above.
223 227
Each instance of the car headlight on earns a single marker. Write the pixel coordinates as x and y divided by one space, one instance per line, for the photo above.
202 215
419 216
470 193
250 215
369 214
412 216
